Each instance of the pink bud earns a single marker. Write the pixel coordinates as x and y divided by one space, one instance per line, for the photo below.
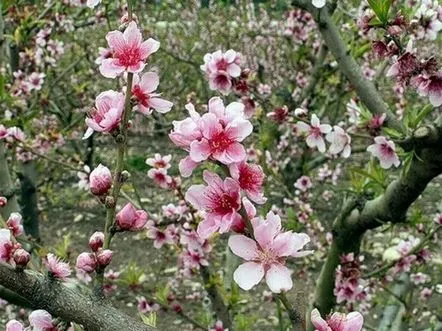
104 257
100 180
3 201
96 241
130 219
14 224
21 257
86 262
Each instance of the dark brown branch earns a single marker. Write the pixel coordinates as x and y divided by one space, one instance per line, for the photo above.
67 303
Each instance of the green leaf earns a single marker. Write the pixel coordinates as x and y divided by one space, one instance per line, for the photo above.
150 320
393 133
381 9
428 109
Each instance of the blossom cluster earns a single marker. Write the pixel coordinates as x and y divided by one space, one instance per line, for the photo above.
38 320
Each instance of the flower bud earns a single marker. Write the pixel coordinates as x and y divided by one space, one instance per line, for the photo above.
125 175
100 180
96 241
14 224
21 257
3 201
104 257
130 219
86 262
300 112
176 307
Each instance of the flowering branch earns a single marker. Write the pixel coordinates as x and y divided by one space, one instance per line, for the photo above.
365 89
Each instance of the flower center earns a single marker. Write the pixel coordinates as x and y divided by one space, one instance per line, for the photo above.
129 57
142 97
220 142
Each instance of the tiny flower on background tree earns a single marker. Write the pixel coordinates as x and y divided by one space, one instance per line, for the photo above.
340 142
221 68
129 52
314 132
14 224
337 321
266 256
159 161
385 151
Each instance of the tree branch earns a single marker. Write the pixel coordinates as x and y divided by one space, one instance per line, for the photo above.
365 89
67 303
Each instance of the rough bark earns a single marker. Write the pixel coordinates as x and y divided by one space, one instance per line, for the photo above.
67 303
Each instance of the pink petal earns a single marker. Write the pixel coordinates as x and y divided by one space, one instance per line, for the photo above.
248 275
278 278
216 106
14 325
199 150
186 166
148 47
354 322
234 70
149 81
195 195
160 105
132 35
239 129
234 153
243 247
136 68
207 227
319 323
116 42
109 69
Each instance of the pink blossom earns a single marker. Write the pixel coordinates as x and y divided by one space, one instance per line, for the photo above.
193 258
221 68
3 131
218 327
314 132
96 241
160 177
16 133
104 257
337 321
385 151
6 246
340 142
129 51
266 256
41 320
106 115
100 180
14 325
145 306
14 224
250 178
431 87
35 81
130 219
219 199
221 143
279 115
426 293
303 183
56 267
143 91
21 257
159 161
86 262
160 237
186 131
